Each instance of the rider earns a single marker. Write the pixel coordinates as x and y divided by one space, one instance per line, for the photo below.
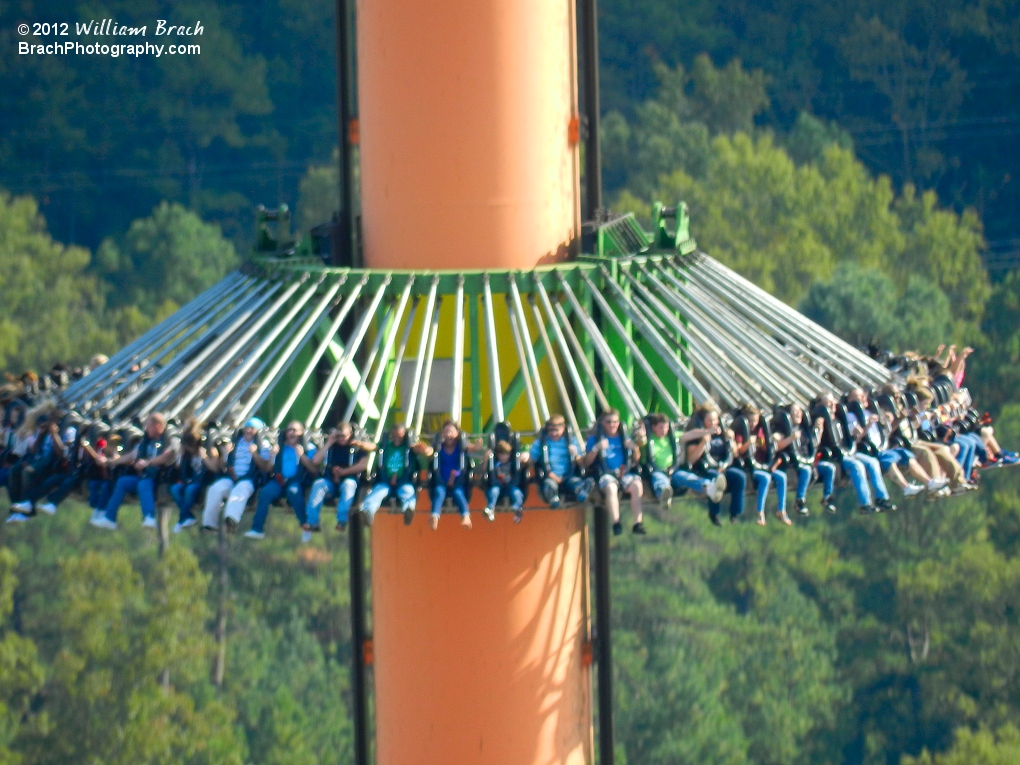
345 459
613 454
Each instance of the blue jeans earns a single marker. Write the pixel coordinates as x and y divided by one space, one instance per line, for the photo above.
405 494
324 489
185 495
736 483
827 472
568 486
874 470
513 493
971 448
439 493
61 489
145 488
271 492
898 457
99 493
762 479
859 469
680 482
804 480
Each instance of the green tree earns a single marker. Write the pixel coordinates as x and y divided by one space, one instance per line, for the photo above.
169 256
51 308
104 698
864 307
21 675
981 747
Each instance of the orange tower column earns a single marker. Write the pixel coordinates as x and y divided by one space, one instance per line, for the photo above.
468 145
467 132
479 640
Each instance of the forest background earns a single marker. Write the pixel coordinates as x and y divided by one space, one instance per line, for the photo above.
856 159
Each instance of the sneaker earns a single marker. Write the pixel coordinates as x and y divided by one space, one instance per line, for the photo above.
102 522
252 534
802 508
490 513
638 528
209 528
408 517
617 529
149 522
912 489
231 524
827 504
935 484
341 526
715 520
666 498
554 500
963 488
718 488
1010 458
187 523
306 537
47 507
17 518
885 506
867 510
313 527
22 507
518 515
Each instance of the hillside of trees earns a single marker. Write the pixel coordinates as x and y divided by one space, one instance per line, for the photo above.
855 159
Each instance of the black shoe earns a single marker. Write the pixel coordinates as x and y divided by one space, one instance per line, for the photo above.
884 505
827 504
408 517
639 528
314 527
868 510
617 529
231 524
209 528
715 520
802 507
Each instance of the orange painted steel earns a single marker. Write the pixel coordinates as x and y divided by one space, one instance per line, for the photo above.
480 639
464 123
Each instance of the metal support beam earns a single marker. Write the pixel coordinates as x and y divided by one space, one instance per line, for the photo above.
359 685
603 636
346 249
589 14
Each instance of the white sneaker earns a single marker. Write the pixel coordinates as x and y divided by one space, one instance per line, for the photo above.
96 515
187 523
102 522
666 498
149 522
936 483
718 488
490 513
17 518
22 507
252 534
47 507
306 537
912 489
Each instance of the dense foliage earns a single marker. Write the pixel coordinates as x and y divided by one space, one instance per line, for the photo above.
852 158
109 653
